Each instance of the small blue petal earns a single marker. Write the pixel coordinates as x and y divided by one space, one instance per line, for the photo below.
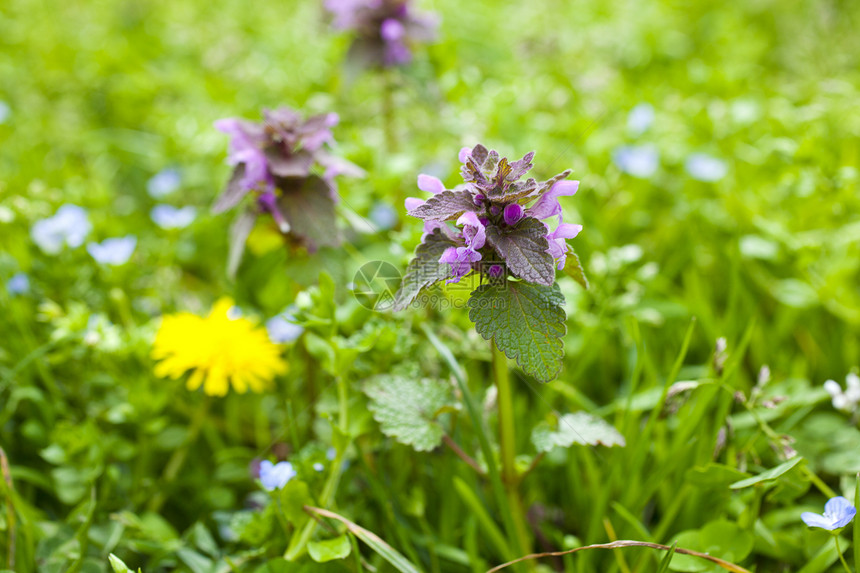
637 160
163 183
68 227
116 251
5 111
705 167
281 328
319 467
19 283
838 512
275 476
169 217
815 520
640 118
383 216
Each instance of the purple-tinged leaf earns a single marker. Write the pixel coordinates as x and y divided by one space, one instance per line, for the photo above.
444 206
308 207
521 167
520 189
547 185
523 248
491 161
293 165
479 154
233 193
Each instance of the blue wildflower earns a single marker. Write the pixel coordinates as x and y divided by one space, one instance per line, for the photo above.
637 160
319 467
169 217
163 183
68 227
116 251
281 328
5 111
838 512
383 216
275 476
705 167
640 118
19 283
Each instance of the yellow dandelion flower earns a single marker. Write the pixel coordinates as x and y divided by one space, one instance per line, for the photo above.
221 351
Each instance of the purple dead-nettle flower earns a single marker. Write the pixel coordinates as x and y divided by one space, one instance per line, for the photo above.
838 512
498 218
284 164
385 30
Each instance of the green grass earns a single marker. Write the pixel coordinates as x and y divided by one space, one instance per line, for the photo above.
105 94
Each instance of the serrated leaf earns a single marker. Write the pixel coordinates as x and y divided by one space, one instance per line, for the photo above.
573 269
330 549
308 207
479 154
239 231
406 409
444 206
520 189
233 192
521 166
526 321
523 248
768 475
424 269
546 185
579 428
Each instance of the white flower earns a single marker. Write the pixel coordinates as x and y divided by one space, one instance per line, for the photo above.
848 399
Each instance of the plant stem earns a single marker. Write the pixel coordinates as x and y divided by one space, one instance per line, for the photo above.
300 539
839 552
177 460
507 443
10 509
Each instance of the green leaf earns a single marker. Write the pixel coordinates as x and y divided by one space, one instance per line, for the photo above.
384 550
444 206
573 269
294 497
117 564
424 269
713 476
768 475
720 538
579 428
526 321
523 248
856 531
406 409
330 549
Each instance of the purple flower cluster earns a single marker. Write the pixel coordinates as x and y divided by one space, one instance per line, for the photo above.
384 28
282 147
499 220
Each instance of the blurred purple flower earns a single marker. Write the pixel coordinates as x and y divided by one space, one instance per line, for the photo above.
170 217
637 160
69 226
163 183
838 512
275 476
705 167
384 29
19 283
115 251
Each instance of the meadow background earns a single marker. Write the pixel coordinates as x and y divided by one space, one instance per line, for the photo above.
100 96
